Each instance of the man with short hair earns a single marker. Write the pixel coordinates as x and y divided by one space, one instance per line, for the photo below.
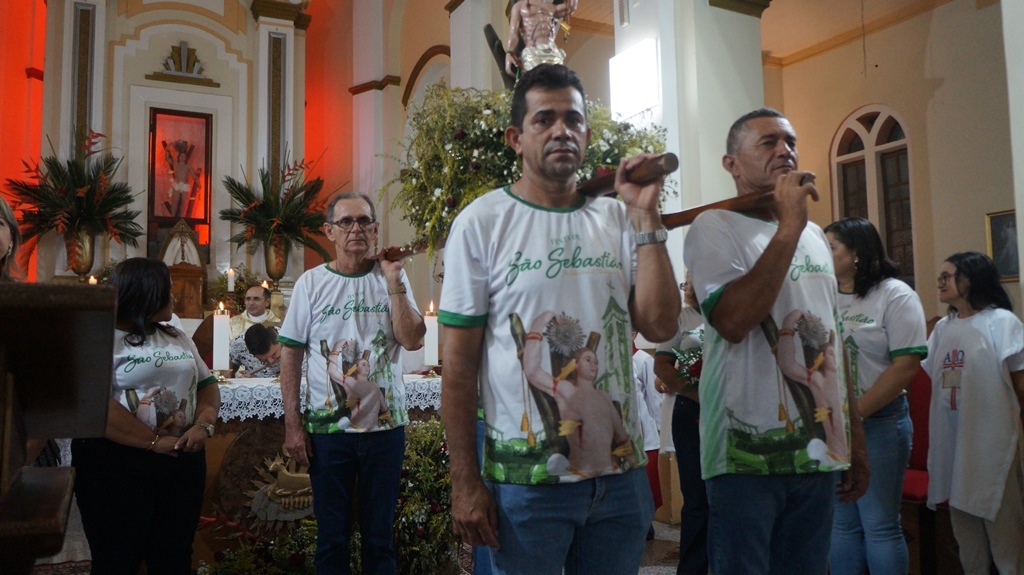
351 316
775 404
258 351
257 310
562 483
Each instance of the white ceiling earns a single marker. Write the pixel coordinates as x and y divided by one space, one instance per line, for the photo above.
789 26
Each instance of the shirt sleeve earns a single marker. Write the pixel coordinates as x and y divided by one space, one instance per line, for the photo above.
713 259
297 322
1008 335
904 322
466 301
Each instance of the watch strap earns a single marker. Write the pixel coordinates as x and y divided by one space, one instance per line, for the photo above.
657 236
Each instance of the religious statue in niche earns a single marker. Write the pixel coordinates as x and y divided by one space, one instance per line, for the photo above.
532 33
185 179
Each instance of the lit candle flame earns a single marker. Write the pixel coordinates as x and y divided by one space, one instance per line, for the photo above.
431 306
265 284
221 306
92 280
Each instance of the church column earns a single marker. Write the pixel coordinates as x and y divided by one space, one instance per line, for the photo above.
710 74
472 64
279 77
1013 43
73 98
370 92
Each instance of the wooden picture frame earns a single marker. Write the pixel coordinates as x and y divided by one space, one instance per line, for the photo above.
1001 243
180 158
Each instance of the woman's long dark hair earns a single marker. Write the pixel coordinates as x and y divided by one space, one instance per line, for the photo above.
984 289
143 289
861 237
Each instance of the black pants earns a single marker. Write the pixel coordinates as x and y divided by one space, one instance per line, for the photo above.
138 506
693 526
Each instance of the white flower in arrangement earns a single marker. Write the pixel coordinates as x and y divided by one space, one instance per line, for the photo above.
476 153
487 112
437 192
448 147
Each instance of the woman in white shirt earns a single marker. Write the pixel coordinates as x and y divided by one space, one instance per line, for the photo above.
884 335
140 486
975 437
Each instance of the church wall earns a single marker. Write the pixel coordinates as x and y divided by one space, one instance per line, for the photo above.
943 73
588 55
328 111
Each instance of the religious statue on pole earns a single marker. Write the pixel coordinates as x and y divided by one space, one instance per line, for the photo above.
533 29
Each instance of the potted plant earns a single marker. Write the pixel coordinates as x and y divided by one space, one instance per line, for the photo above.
287 211
79 198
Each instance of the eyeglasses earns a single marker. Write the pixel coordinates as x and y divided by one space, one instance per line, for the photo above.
346 223
944 277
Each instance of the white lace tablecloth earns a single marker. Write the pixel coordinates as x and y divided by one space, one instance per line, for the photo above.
261 398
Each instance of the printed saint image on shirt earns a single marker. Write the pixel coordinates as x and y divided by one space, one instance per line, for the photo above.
583 431
354 400
161 410
812 432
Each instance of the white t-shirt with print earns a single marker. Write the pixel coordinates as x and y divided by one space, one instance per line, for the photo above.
974 427
354 371
648 399
510 264
158 381
887 322
688 335
761 415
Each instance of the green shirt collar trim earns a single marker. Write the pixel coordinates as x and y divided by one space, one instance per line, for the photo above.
579 203
344 275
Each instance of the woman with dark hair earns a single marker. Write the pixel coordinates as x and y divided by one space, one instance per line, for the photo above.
140 487
976 364
10 239
884 335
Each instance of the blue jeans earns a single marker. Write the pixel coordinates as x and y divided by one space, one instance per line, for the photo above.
774 524
482 553
693 526
592 527
339 460
866 535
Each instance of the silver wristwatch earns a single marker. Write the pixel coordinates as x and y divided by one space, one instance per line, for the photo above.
210 429
658 236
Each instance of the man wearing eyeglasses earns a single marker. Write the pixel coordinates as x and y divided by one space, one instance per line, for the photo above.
349 318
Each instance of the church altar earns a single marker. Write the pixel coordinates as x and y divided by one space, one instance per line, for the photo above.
242 398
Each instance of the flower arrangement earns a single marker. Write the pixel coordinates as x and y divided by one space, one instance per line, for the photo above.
425 542
287 211
78 198
287 553
458 153
689 364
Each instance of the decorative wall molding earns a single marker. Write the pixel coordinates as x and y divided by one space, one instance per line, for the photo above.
183 67
452 6
429 54
854 34
231 14
389 80
280 11
592 27
749 7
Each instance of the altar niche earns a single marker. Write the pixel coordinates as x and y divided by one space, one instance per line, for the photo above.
180 158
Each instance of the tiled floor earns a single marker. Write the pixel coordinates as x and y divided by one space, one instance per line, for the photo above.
666 537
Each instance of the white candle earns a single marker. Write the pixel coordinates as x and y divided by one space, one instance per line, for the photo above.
92 280
430 340
221 330
231 279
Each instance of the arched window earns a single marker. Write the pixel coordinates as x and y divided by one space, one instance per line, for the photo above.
871 179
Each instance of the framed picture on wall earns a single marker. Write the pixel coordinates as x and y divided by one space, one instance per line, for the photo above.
1001 240
179 166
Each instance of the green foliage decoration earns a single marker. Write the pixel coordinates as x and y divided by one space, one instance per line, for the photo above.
425 542
288 209
75 194
458 152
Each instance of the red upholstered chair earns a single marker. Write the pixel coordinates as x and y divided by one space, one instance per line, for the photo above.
915 482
